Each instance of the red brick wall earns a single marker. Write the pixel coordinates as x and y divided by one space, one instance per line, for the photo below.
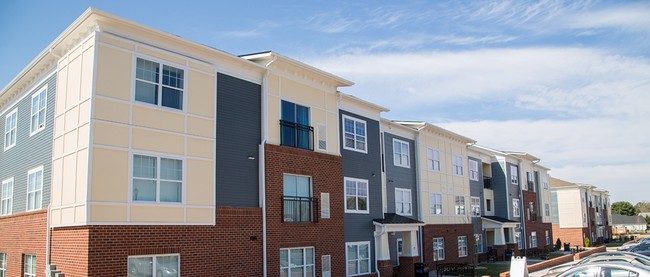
326 235
23 234
569 235
536 226
450 232
231 248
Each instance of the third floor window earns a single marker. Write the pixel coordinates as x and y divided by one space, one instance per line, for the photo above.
295 130
354 134
158 84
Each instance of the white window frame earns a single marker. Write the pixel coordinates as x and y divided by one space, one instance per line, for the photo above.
533 239
516 209
358 260
153 259
304 258
399 246
32 259
401 155
457 162
548 237
472 169
514 175
475 206
41 93
401 203
478 243
488 206
438 249
460 208
34 191
7 201
3 264
355 135
12 133
160 83
157 178
547 209
357 182
545 181
433 159
434 203
462 246
519 241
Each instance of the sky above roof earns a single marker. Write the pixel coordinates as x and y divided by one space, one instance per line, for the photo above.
566 81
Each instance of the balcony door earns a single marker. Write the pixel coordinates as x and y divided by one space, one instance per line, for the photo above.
295 125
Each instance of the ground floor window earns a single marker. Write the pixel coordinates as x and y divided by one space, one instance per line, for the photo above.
533 240
438 249
548 237
462 246
29 267
3 264
297 262
358 258
478 243
154 266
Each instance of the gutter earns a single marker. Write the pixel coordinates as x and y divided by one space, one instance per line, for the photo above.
418 184
47 241
262 159
523 237
383 231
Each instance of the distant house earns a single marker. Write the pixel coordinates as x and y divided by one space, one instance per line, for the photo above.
631 223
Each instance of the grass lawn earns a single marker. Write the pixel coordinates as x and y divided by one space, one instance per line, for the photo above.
492 269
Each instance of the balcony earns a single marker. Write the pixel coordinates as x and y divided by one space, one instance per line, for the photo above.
531 186
299 209
487 182
296 135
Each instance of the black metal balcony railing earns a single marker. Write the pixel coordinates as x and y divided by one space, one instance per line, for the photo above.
296 135
533 216
531 186
487 182
299 209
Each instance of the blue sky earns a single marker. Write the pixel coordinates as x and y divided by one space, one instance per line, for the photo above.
567 81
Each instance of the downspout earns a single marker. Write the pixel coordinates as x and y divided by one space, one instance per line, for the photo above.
521 205
383 231
47 241
418 184
262 159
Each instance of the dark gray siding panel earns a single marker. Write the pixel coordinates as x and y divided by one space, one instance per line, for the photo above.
476 190
367 166
514 190
30 151
499 187
238 137
400 177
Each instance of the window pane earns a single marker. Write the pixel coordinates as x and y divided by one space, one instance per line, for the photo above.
352 252
284 258
144 166
351 202
288 111
290 185
297 272
302 186
147 70
141 267
363 266
171 169
363 251
363 203
172 98
297 257
309 255
309 271
352 267
170 191
172 77
144 190
167 266
284 272
146 92
302 115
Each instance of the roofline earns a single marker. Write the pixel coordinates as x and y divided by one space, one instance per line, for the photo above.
436 128
364 102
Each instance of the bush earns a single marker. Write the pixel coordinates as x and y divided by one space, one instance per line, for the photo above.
558 244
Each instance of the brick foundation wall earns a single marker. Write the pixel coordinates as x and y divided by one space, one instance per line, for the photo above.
536 226
569 235
231 248
325 235
385 268
450 232
20 234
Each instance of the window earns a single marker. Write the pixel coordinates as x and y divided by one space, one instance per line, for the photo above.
533 239
460 205
29 266
39 105
159 85
520 242
356 195
547 210
297 262
295 129
358 258
515 208
435 203
157 179
326 265
473 170
3 265
478 243
11 122
462 246
433 159
458 165
488 205
34 188
475 206
514 175
154 266
297 199
7 196
400 247
545 180
403 201
354 134
401 153
548 237
438 249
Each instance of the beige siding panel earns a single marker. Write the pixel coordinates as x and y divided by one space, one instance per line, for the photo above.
84 112
62 76
69 179
200 127
116 42
274 85
109 134
157 214
80 214
302 94
200 148
55 216
111 111
274 120
57 152
200 66
108 213
87 73
110 181
158 118
70 142
200 94
57 182
67 216
157 142
71 119
74 83
199 215
114 69
83 136
82 176
162 55
59 125
200 183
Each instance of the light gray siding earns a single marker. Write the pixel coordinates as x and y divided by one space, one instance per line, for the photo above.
238 138
30 151
400 177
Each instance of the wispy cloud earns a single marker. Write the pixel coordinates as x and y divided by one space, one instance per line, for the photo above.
261 29
333 22
631 17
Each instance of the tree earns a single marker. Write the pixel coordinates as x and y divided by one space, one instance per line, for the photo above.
642 207
647 219
623 207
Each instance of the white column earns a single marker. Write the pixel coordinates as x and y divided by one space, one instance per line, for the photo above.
381 242
410 244
499 236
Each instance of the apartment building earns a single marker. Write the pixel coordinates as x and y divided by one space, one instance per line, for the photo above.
580 211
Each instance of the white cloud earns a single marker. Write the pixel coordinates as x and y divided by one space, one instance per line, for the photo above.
635 17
